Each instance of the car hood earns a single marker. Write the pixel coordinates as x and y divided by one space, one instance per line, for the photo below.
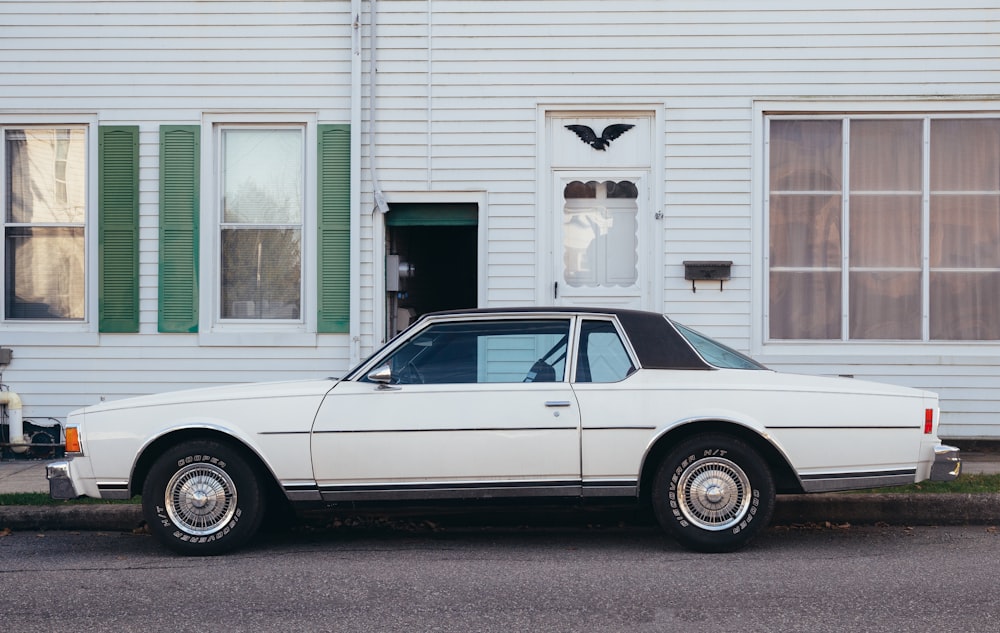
241 392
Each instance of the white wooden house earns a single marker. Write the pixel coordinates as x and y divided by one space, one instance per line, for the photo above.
207 192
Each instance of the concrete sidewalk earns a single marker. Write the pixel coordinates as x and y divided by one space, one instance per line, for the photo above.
835 508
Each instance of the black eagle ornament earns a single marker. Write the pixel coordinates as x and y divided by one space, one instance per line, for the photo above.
610 133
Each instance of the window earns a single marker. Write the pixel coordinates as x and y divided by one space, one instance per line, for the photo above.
255 229
884 228
602 357
600 234
715 353
262 208
483 352
44 243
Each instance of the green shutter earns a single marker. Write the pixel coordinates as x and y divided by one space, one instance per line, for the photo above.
118 228
179 195
334 219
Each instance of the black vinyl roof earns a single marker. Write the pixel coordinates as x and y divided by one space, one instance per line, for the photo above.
655 340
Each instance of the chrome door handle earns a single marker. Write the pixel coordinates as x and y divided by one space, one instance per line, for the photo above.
558 403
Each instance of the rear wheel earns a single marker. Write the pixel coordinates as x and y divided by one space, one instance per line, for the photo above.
202 498
713 493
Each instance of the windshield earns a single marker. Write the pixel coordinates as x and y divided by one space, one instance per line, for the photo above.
716 353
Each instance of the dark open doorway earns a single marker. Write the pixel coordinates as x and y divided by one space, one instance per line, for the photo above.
432 261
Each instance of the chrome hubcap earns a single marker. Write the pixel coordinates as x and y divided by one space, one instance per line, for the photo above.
200 499
714 493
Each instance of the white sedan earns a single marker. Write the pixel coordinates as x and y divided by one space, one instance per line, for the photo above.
533 404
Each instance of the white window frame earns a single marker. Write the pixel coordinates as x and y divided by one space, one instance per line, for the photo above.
214 330
776 351
82 332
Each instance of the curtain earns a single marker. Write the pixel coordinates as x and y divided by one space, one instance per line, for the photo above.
965 229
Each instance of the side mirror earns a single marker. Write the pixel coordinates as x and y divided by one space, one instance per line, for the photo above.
382 375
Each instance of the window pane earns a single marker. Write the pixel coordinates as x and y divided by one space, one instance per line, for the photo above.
965 155
965 231
805 231
261 273
600 234
805 156
492 352
885 305
262 176
715 353
44 273
805 305
45 175
885 231
886 155
965 305
602 355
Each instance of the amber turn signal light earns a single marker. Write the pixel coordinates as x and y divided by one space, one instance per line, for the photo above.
72 439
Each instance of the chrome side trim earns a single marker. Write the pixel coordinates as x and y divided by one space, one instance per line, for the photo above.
60 482
451 491
306 491
612 488
947 463
856 481
302 491
114 490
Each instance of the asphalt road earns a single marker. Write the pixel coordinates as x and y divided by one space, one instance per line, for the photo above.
870 579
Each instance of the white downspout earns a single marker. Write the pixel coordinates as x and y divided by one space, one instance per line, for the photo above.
380 201
18 440
355 153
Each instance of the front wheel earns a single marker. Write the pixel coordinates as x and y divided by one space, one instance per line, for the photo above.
713 493
202 498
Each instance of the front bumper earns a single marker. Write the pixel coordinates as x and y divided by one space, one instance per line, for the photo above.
947 463
60 481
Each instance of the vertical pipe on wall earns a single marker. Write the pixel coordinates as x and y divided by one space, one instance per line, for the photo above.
380 202
354 326
15 424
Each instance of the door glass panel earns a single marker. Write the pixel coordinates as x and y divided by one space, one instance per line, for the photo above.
600 234
478 352
602 356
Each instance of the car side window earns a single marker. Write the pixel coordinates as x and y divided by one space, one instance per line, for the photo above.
483 352
602 356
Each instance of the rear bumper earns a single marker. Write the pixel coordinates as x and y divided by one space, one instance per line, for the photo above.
60 481
947 463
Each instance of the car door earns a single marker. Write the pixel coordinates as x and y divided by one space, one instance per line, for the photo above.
619 416
476 407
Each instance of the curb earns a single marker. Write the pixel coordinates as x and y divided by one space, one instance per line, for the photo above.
96 517
890 508
836 508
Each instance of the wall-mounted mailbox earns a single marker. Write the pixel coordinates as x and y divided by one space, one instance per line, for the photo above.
707 271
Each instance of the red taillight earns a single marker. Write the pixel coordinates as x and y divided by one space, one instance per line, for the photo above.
928 421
